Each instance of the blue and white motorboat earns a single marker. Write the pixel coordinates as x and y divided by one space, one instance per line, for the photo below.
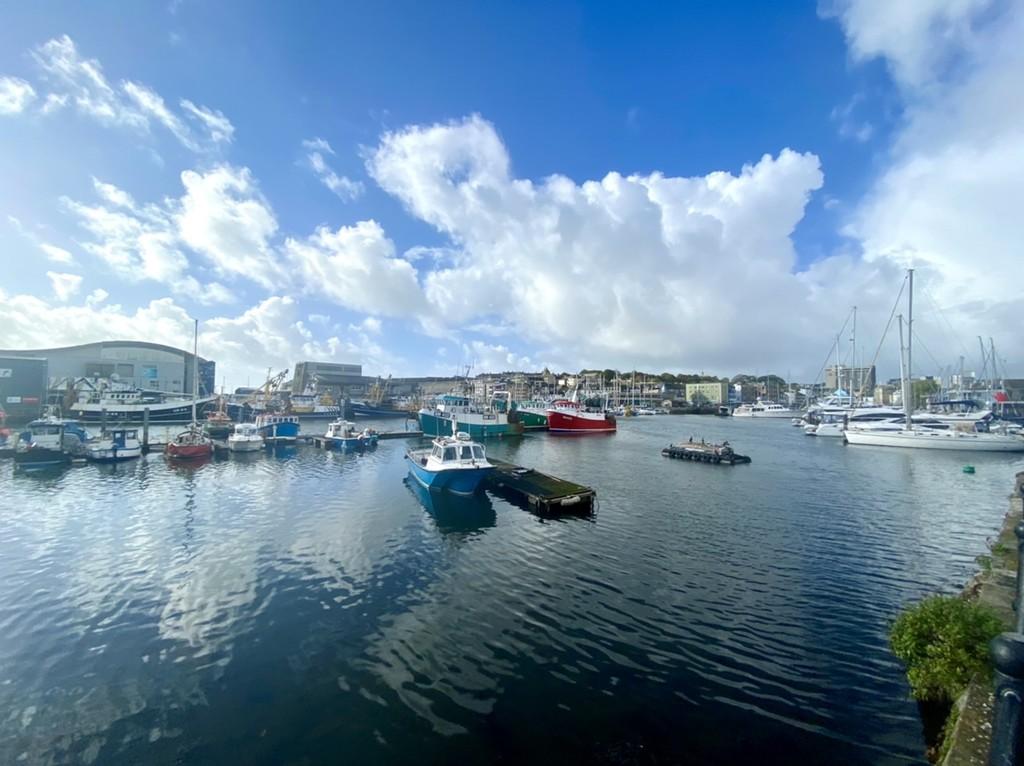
275 428
342 435
454 464
119 444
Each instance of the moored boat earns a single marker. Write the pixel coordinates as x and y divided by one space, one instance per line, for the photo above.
532 414
705 453
192 443
119 444
453 464
41 446
763 409
452 413
219 424
343 435
572 417
274 427
245 438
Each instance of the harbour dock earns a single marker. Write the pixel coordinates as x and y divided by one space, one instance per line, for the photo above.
322 443
542 492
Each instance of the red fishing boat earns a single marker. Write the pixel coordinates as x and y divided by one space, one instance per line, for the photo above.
567 416
192 443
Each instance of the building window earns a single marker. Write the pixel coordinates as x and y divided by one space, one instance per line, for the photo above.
126 370
148 372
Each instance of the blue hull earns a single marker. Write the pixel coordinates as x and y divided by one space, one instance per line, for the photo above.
360 410
463 481
284 432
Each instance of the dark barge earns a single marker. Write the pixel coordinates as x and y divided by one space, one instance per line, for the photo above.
721 454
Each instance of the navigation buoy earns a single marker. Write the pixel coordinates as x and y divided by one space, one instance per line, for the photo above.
968 469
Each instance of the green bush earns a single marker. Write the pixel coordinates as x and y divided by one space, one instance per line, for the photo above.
944 642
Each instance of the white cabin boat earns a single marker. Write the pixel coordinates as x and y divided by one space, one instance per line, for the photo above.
245 438
762 409
119 444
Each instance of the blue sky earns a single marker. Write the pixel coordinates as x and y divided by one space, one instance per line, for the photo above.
518 94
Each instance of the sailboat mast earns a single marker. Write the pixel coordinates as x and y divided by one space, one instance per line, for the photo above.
195 369
910 343
904 388
853 358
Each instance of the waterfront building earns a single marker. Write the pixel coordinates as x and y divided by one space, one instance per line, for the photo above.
23 384
149 366
716 392
330 376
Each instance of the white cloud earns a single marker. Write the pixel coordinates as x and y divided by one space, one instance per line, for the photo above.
64 285
498 358
15 95
625 270
96 297
148 242
947 199
56 254
356 266
919 39
216 124
81 82
224 217
344 187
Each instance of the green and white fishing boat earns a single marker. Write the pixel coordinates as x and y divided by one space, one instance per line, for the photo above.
532 414
478 420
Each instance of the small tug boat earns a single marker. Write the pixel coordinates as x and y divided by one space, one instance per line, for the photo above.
454 464
342 435
41 446
704 453
120 444
245 438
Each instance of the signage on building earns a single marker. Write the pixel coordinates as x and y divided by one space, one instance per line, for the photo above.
5 372
14 400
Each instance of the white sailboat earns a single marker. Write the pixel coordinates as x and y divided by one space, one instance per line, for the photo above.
916 436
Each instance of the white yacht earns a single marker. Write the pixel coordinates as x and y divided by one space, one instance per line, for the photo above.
762 409
245 438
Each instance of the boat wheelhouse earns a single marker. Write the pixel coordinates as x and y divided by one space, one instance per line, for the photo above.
118 444
342 434
41 446
454 464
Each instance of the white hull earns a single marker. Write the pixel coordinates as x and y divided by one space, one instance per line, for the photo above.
781 414
832 430
110 455
245 445
947 440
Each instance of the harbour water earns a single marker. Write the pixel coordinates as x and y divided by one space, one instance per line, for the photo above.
307 607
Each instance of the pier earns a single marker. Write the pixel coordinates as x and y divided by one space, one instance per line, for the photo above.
545 493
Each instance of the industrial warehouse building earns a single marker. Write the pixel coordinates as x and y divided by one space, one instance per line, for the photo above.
149 366
329 376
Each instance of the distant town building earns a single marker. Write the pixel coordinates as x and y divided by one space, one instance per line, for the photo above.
850 379
328 376
23 387
708 393
743 393
885 394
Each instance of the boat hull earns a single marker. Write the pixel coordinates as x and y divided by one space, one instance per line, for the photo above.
178 412
280 432
189 451
40 458
531 419
360 410
567 423
432 425
347 444
113 455
940 440
461 481
245 445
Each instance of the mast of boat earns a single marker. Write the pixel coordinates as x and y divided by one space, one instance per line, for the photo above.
909 406
195 370
853 357
904 388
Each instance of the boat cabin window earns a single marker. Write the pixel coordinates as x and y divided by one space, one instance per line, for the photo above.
467 453
478 452
449 453
437 452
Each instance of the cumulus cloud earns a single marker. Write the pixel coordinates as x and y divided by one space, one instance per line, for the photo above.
81 82
15 95
56 254
64 285
918 39
620 270
344 187
356 267
947 199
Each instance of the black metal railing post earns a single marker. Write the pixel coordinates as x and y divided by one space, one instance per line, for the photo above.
1007 747
1008 714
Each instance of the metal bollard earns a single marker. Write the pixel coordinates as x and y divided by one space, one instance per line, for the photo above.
1008 715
